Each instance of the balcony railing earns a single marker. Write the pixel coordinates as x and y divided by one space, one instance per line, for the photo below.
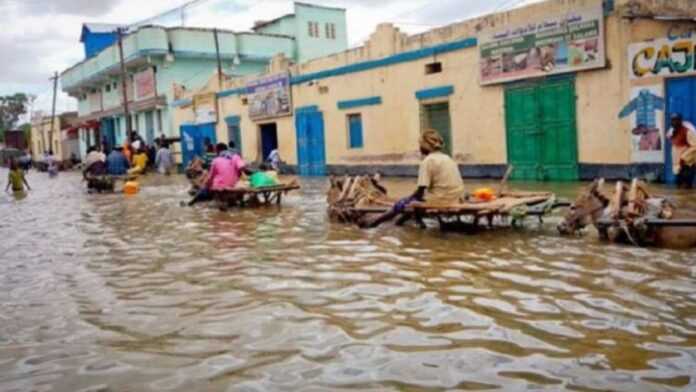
181 42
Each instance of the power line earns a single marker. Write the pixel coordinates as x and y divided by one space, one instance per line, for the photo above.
180 10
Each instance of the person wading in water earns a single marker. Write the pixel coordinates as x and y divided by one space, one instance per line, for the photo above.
439 181
16 178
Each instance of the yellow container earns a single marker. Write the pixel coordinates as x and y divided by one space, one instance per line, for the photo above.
131 188
485 194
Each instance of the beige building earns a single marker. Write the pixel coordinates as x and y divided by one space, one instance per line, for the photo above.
62 140
563 90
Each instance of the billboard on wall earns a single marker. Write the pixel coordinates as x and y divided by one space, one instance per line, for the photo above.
144 84
646 110
205 108
669 56
569 42
269 97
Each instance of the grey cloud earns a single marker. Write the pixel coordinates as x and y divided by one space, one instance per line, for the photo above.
30 61
68 7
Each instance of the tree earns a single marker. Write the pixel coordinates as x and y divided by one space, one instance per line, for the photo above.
26 128
12 107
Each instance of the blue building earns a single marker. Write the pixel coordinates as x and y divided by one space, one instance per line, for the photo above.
159 58
97 36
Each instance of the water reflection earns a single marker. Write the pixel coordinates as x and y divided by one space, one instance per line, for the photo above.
112 293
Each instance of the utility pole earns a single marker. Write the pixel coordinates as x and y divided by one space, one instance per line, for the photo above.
219 71
53 113
124 75
219 60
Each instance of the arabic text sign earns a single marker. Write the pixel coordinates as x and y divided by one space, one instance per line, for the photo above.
672 56
565 43
269 97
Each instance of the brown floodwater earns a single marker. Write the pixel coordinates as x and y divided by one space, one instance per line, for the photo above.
115 293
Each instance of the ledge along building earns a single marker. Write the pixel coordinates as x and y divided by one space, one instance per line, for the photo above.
561 89
161 60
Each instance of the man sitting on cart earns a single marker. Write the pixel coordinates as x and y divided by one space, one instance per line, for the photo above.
439 181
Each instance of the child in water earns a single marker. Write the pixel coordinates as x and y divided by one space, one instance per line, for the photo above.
16 179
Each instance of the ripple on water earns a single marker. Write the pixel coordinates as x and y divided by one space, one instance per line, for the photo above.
106 293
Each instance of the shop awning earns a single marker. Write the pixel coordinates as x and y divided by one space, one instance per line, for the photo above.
92 124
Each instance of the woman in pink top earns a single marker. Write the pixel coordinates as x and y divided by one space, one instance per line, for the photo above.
224 174
225 171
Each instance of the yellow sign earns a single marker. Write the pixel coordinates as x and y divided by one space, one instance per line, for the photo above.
664 57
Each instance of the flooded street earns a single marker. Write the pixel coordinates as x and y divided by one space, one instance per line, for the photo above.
114 293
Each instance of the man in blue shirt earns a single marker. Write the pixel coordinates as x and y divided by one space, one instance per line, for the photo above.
116 162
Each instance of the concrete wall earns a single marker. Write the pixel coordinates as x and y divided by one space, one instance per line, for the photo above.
391 129
287 25
313 47
41 139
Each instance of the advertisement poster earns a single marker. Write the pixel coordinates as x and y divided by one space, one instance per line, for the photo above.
646 109
205 108
566 43
671 56
269 97
144 84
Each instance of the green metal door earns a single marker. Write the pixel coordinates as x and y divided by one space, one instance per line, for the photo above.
437 117
523 132
560 143
541 131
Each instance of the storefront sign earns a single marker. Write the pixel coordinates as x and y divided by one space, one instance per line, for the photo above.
566 43
144 84
672 56
205 108
646 110
269 97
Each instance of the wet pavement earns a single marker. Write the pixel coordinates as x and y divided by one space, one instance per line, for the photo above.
114 293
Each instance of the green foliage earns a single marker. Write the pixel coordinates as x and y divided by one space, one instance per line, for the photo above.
11 108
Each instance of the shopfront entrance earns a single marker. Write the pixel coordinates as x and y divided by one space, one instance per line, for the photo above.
192 140
681 98
541 130
311 151
269 139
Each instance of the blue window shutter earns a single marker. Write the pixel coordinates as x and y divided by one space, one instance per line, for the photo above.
355 131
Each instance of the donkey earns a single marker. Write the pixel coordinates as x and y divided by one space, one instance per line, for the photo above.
591 206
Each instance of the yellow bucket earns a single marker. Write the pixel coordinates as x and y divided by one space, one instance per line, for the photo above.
131 188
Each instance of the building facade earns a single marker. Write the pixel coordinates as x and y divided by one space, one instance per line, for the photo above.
61 140
162 61
562 90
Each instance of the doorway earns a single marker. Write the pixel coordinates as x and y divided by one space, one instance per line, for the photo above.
311 149
681 98
193 138
149 127
108 128
437 116
269 139
541 130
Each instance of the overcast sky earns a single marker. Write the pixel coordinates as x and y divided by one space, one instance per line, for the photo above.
42 36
